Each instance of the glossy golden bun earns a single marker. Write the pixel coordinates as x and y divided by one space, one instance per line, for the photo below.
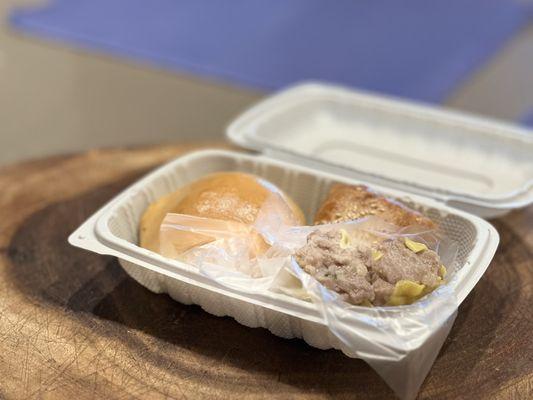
349 202
231 196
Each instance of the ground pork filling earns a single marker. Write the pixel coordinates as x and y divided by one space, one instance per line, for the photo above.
391 272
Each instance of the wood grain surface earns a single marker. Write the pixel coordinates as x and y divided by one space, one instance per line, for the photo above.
73 325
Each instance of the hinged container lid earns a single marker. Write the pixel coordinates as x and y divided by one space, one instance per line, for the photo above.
480 165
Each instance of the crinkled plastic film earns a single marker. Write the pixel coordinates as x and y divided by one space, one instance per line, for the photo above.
399 342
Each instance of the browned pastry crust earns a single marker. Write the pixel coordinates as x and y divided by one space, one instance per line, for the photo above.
230 196
349 202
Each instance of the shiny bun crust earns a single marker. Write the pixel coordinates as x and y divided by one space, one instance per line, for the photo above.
232 196
349 202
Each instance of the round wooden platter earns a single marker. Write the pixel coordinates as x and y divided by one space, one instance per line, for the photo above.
74 325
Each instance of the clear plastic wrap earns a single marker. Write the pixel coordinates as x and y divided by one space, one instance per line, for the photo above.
399 342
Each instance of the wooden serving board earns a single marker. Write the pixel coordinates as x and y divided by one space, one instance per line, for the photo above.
73 325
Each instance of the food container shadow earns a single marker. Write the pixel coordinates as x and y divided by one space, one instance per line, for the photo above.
247 353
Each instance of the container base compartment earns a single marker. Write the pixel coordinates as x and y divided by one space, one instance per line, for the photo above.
114 230
308 188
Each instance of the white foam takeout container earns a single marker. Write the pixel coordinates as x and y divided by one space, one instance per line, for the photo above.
309 137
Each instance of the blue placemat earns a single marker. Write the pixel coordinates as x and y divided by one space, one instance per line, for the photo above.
419 48
527 119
